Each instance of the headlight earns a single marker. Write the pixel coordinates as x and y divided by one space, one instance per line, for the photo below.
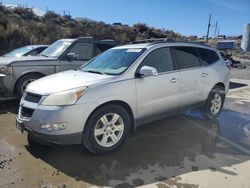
68 97
6 70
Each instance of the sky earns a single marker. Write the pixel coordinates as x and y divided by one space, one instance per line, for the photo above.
187 17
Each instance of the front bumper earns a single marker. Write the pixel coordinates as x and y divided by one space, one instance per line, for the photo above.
75 116
1 83
67 139
6 84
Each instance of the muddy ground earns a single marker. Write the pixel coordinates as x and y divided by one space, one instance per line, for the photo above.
181 151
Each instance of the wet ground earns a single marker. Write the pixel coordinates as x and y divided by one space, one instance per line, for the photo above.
181 151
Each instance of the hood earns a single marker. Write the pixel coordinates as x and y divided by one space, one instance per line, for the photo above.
65 81
9 60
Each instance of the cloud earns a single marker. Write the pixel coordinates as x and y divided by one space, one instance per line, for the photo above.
230 5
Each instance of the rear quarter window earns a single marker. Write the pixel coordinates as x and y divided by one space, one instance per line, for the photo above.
207 56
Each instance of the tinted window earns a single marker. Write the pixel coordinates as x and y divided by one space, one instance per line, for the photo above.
39 50
104 47
84 51
32 53
207 56
99 48
160 59
186 57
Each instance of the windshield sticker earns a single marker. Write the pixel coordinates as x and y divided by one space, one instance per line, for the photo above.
137 50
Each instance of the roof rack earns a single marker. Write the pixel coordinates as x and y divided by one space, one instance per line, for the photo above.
92 39
152 40
87 37
108 40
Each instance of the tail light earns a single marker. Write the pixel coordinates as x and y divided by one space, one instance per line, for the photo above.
228 66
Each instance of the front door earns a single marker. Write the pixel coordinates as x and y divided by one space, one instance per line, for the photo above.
160 93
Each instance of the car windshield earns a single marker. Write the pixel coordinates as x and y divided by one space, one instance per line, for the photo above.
18 52
113 61
56 49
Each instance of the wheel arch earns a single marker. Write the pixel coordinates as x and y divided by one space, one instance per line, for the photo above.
123 104
220 84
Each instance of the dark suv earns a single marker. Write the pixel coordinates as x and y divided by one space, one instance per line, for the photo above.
64 54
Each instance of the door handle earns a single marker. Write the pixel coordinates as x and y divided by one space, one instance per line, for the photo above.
204 75
174 80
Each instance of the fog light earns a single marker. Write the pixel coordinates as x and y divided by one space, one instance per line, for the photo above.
53 126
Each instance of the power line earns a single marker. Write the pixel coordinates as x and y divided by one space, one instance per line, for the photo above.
215 30
208 27
211 25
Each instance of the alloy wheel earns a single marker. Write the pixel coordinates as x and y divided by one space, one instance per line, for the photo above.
216 103
109 129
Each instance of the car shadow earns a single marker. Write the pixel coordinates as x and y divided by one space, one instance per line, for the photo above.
235 85
9 106
156 152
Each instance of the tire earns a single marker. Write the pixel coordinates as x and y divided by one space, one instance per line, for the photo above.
23 82
213 109
102 135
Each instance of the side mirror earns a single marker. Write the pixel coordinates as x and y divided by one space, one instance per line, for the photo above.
148 71
71 56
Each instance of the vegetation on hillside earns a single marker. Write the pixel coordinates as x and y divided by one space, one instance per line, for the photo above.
20 26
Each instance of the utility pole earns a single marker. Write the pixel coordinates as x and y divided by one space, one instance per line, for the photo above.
208 27
216 25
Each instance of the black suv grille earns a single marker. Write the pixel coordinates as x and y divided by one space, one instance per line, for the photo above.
26 112
33 97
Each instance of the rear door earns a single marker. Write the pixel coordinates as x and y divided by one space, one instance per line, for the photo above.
188 63
160 93
207 57
83 51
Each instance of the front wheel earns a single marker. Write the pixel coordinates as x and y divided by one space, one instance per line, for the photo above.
214 103
106 129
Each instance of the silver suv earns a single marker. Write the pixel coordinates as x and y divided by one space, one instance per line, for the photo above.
65 54
124 87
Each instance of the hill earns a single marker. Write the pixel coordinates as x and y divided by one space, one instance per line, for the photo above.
20 26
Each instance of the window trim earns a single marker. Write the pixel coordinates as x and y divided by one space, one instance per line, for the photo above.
161 73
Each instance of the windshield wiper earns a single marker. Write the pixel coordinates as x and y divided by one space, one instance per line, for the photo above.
94 71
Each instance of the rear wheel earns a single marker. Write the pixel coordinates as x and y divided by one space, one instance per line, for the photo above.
214 103
23 82
106 129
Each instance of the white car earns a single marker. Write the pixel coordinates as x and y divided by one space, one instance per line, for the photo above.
124 87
